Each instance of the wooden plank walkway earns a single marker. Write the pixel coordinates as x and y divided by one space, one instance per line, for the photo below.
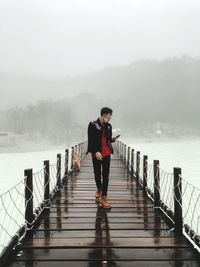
76 231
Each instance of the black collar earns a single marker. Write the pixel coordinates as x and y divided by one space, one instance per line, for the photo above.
99 122
105 124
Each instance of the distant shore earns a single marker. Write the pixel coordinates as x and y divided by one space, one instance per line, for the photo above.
159 139
18 143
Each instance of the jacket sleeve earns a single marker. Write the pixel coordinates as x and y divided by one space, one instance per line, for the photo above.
89 135
92 144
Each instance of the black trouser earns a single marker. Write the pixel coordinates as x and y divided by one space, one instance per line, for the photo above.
105 163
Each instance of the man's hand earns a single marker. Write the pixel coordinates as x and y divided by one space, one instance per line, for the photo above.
98 155
115 138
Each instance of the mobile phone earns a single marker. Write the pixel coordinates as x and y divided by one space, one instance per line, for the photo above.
117 136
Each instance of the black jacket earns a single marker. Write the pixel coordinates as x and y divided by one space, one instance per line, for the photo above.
95 131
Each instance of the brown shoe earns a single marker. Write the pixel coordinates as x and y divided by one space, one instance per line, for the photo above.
104 202
97 194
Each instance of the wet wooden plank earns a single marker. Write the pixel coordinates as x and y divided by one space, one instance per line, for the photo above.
93 233
66 220
111 215
135 254
92 200
114 205
91 197
90 226
133 242
106 263
114 210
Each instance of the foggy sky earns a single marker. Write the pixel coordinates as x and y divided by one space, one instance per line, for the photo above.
69 37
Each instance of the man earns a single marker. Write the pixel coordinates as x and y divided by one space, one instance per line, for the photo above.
100 147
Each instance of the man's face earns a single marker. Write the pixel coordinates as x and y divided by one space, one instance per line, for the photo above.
108 117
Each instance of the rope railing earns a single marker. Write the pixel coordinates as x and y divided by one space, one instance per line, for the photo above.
11 212
150 179
190 204
52 183
22 205
178 199
166 189
38 188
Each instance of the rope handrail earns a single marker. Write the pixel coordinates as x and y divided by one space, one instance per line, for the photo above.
177 198
34 192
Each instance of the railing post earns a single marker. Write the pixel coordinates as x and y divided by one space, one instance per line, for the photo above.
138 165
28 173
72 159
46 183
66 161
145 171
125 155
59 184
132 162
123 148
128 158
156 171
178 217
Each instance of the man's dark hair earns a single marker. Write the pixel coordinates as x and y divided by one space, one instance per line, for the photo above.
106 110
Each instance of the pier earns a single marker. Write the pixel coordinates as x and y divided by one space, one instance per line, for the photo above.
64 225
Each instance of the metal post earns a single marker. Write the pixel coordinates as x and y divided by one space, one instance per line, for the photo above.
178 217
66 161
59 184
156 171
28 173
46 183
125 155
72 155
132 162
145 170
138 165
128 158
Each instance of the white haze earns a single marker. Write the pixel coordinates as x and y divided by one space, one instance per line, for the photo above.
56 38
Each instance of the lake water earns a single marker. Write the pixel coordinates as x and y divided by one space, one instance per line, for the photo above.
176 153
12 165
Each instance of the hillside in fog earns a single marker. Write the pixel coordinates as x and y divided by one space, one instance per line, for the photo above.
143 94
173 80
